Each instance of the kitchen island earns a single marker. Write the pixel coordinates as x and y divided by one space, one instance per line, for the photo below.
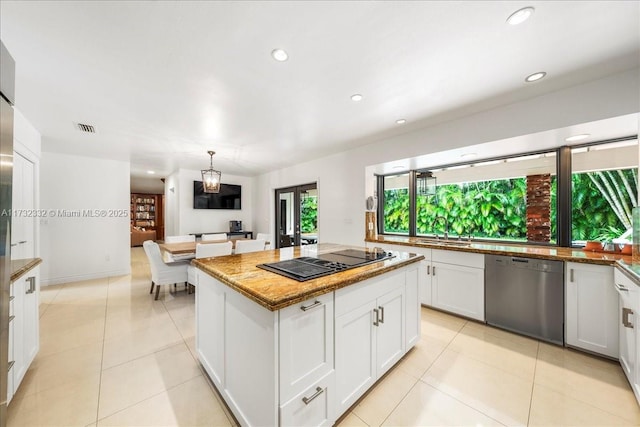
283 352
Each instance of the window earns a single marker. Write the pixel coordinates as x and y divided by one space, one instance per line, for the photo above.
396 204
604 190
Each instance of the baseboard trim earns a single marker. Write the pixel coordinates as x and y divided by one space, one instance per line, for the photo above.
80 277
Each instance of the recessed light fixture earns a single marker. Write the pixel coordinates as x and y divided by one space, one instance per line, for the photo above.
535 76
520 15
151 172
580 137
356 97
468 155
401 121
279 55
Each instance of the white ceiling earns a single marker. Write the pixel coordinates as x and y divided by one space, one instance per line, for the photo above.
163 82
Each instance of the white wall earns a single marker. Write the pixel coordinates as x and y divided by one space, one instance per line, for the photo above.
181 218
79 248
344 181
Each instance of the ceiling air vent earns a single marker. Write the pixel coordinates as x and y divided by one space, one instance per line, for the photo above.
85 128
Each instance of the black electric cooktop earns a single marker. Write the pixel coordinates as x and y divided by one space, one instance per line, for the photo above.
307 268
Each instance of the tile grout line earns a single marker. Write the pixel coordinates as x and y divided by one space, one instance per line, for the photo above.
104 335
533 383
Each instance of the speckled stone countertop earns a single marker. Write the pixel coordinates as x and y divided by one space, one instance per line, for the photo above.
22 266
275 292
529 251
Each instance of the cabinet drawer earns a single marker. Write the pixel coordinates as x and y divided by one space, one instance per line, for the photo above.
352 297
305 345
458 258
313 407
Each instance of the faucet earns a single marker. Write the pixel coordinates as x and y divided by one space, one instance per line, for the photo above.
446 226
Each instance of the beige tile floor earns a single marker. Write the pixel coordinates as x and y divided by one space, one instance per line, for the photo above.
112 356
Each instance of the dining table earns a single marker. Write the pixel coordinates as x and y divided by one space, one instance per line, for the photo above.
187 250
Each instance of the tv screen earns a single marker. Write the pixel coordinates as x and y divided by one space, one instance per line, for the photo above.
229 197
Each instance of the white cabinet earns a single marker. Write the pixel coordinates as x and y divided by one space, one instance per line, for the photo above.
312 407
23 327
376 323
591 305
628 324
457 280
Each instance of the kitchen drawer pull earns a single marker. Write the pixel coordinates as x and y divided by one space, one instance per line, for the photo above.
309 307
22 241
428 270
571 278
10 365
307 400
381 313
11 298
377 321
434 270
11 318
14 244
625 317
621 288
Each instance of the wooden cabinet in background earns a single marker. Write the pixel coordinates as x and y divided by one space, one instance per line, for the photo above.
147 212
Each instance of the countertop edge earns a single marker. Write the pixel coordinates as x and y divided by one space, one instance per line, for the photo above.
20 267
275 305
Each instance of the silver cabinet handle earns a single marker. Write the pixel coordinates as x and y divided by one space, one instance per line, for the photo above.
381 313
14 244
32 285
428 270
310 306
22 241
376 322
621 288
571 274
11 318
307 400
434 270
10 365
625 317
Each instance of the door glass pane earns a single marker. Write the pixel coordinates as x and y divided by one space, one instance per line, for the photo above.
396 204
286 224
604 189
309 216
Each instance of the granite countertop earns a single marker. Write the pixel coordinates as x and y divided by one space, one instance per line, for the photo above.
275 292
529 251
21 266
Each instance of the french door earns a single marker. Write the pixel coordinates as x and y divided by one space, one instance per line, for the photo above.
297 215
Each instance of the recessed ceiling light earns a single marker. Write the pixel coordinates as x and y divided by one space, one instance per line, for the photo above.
469 155
521 15
580 137
151 172
279 55
535 76
401 121
357 97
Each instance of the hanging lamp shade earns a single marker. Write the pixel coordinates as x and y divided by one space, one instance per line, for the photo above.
211 177
426 185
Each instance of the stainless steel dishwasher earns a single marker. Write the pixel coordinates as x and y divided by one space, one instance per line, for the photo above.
525 295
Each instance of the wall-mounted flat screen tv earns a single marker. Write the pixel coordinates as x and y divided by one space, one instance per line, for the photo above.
229 197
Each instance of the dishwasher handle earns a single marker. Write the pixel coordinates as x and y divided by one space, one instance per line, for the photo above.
524 260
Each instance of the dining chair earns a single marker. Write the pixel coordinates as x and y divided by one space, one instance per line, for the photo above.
244 246
217 236
161 272
267 238
180 239
208 250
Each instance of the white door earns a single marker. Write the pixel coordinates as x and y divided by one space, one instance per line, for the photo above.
355 354
390 330
458 289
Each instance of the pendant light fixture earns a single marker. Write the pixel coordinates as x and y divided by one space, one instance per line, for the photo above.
211 177
426 183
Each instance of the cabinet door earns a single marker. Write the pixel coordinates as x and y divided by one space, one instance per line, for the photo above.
628 295
458 289
306 344
425 285
31 315
355 354
414 279
20 365
210 327
390 339
23 196
591 308
312 407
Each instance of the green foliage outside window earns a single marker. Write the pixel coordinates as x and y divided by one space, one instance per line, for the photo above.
309 214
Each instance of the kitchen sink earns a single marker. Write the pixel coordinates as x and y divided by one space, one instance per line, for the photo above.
456 243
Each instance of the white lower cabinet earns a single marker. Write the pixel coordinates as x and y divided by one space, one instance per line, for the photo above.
24 341
628 325
457 280
371 320
307 363
591 305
